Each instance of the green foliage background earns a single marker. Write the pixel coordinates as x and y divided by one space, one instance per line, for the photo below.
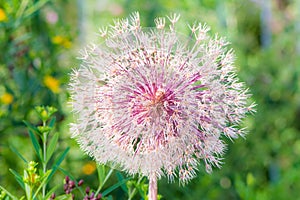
265 37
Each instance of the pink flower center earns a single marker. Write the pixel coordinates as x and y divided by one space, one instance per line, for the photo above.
156 104
150 106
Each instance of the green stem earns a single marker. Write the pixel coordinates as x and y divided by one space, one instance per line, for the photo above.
22 8
30 193
102 184
44 158
132 193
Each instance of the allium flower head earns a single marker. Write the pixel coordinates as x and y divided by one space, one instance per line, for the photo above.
157 103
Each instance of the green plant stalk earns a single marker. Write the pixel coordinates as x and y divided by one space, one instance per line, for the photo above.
133 192
22 8
8 193
35 7
29 193
41 185
44 158
106 178
28 187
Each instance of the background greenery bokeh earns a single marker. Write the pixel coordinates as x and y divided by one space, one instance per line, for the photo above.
39 42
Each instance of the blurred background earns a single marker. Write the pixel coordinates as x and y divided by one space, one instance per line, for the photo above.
39 43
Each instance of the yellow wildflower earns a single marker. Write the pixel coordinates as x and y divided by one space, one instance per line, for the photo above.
89 168
67 43
52 83
57 39
63 41
7 98
3 16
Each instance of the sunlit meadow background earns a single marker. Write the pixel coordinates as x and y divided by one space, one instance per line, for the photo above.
39 43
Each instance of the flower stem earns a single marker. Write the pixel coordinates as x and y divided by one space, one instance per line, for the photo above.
102 184
152 191
133 192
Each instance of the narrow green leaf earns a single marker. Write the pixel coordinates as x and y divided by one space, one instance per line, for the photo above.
8 193
101 174
109 197
66 173
27 187
52 122
51 146
18 178
21 9
57 162
50 192
121 178
18 153
31 127
64 197
35 7
36 145
45 179
115 186
72 178
101 184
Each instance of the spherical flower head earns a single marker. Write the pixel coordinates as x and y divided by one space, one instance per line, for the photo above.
157 103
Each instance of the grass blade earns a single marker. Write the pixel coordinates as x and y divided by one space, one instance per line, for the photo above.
51 147
57 162
50 192
121 178
52 122
45 178
36 145
18 178
101 174
18 153
115 186
72 178
31 127
8 193
35 8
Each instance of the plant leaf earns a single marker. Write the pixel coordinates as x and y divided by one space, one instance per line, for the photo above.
66 173
57 162
31 127
101 174
45 179
64 197
35 7
18 178
18 153
52 122
50 192
72 178
27 187
36 145
109 197
121 178
8 193
51 146
115 186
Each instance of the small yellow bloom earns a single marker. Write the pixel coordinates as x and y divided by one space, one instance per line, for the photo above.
7 98
3 16
52 83
89 168
67 43
57 39
63 41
